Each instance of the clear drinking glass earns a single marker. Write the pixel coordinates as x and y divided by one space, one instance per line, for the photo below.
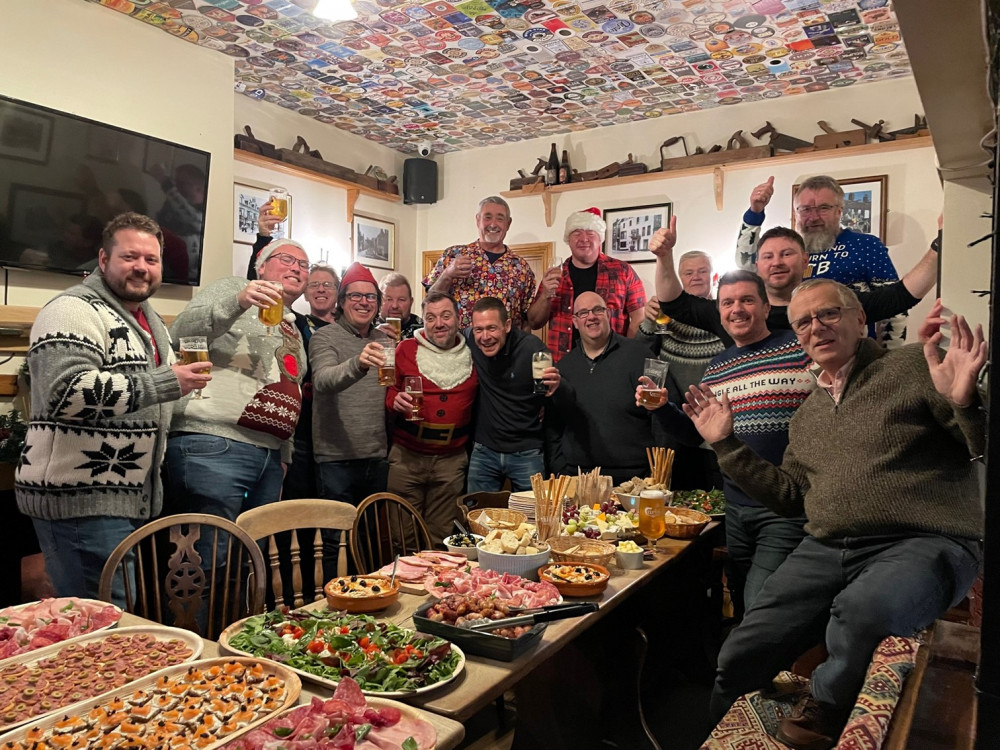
539 361
279 203
194 349
414 385
652 508
271 316
396 324
387 370
651 392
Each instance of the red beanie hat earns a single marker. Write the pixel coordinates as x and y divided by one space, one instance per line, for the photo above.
357 272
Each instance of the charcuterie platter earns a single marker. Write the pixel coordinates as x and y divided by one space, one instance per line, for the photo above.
34 625
47 680
411 571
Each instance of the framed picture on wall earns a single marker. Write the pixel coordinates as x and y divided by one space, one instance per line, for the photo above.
866 204
38 214
629 231
247 201
374 242
25 135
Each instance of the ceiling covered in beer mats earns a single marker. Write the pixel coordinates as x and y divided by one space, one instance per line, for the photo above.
484 72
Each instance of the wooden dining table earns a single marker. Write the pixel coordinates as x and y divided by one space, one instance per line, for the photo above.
677 576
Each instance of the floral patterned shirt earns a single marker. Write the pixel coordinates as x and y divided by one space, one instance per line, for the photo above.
617 283
510 279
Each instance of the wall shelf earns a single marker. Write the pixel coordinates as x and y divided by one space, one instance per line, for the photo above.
716 170
353 189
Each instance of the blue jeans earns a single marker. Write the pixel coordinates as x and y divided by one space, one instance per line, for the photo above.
851 593
758 541
353 480
76 549
488 468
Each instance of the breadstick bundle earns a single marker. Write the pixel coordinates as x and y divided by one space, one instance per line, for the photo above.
549 494
592 488
661 465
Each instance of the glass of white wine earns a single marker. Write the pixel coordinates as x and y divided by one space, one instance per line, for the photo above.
194 349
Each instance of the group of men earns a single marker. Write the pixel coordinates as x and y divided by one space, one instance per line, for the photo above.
852 506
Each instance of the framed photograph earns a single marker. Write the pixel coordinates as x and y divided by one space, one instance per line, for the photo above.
37 214
25 135
374 242
629 231
866 204
247 201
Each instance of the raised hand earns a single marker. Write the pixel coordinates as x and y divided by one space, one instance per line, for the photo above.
652 310
760 196
664 239
932 323
712 418
955 376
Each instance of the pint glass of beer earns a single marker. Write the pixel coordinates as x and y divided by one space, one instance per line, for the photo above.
539 361
651 393
279 203
414 385
397 325
387 371
194 349
271 316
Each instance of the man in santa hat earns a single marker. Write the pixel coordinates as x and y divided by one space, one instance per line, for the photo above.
586 270
349 437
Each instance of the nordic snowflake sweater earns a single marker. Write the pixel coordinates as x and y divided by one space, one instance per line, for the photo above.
100 409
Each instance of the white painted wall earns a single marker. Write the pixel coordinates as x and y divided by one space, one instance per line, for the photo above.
915 196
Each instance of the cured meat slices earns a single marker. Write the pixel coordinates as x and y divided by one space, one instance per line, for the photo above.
415 568
28 627
338 723
483 583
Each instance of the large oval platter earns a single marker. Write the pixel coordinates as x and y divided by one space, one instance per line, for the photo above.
42 682
138 713
56 620
257 636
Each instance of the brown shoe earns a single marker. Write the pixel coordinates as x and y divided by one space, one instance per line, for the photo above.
810 727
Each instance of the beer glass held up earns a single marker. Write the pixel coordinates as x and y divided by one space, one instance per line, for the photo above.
279 203
414 385
194 349
271 315
387 370
539 361
651 392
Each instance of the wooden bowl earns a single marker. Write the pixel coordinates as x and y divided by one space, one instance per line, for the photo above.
574 549
348 593
557 573
686 530
500 518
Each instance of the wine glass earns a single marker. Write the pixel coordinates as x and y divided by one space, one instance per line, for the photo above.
414 385
652 508
194 349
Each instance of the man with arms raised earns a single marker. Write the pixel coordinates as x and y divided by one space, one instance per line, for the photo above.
597 421
485 268
349 438
766 378
586 270
853 258
397 302
228 452
879 459
427 460
102 379
781 263
510 440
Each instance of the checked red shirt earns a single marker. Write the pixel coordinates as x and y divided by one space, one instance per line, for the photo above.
617 283
510 279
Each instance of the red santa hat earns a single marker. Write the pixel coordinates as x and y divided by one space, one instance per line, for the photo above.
357 272
589 219
275 247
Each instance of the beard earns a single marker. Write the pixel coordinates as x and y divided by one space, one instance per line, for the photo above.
142 287
820 239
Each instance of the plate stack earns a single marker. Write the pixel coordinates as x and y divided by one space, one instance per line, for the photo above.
523 502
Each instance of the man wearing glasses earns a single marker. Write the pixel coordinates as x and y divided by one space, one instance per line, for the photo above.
878 458
228 451
595 419
837 252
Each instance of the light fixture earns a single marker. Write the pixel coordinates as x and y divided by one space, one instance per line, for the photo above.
335 10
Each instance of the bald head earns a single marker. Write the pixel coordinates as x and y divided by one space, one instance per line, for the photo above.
590 317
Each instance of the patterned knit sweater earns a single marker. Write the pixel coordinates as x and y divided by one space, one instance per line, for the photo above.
891 458
100 409
766 381
254 396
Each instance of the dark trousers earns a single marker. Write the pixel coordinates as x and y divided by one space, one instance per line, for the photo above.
851 593
757 542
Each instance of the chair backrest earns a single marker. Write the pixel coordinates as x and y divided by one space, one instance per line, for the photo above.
176 561
305 519
476 500
386 526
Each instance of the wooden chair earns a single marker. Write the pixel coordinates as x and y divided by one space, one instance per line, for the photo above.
299 517
386 525
476 500
176 560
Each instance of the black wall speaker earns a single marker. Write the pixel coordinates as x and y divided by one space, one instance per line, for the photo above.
420 181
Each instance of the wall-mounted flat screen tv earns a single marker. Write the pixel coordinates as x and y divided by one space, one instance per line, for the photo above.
63 177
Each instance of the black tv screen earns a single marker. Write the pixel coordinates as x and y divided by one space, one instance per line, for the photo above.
63 177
